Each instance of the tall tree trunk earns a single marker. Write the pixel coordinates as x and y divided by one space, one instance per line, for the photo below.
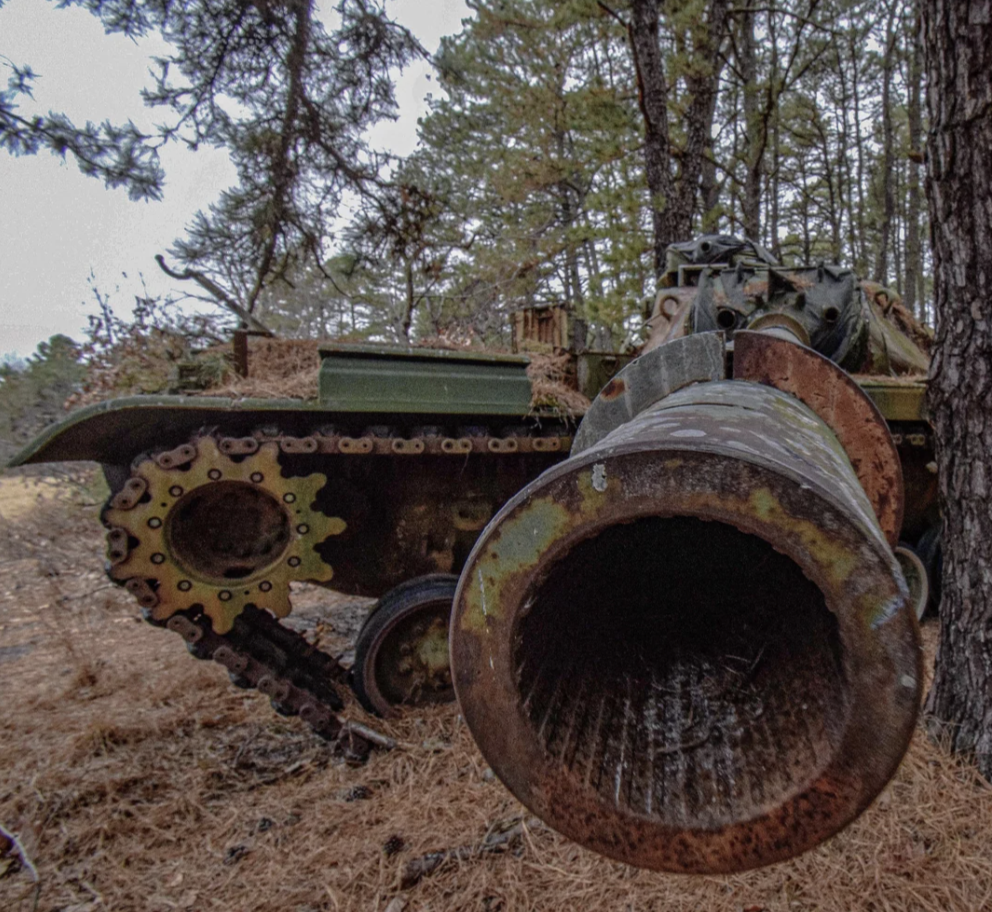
571 207
861 256
652 93
673 201
754 146
888 142
958 54
807 256
913 297
774 244
898 227
845 179
833 208
709 190
702 82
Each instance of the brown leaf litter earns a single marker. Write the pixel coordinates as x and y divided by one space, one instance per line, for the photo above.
136 778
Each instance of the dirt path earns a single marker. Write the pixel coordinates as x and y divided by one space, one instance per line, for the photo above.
19 493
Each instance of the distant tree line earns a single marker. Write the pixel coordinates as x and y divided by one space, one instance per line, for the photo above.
573 141
33 393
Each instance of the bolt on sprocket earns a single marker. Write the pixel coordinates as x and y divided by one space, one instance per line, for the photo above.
194 527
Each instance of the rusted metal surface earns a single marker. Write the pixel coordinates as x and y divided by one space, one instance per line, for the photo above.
822 306
689 647
260 653
669 317
417 672
781 326
722 283
547 326
218 533
778 362
208 535
401 653
239 342
834 396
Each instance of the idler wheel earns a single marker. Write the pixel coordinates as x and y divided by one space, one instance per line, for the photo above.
401 654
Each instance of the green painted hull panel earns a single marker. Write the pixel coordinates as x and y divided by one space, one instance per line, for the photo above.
118 429
419 381
367 383
897 400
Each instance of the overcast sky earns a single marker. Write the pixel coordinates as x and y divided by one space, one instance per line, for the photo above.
57 226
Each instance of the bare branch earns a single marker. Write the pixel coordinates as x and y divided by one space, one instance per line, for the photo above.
611 13
803 20
495 841
218 294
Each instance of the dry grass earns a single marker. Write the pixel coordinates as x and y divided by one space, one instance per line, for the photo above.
277 369
552 383
289 369
139 779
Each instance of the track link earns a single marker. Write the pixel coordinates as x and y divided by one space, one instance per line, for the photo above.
261 654
256 650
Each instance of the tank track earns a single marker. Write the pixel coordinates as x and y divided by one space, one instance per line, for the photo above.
257 651
260 653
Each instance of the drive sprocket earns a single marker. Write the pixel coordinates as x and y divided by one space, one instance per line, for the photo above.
198 528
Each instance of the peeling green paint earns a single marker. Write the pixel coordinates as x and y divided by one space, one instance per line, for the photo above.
521 540
836 560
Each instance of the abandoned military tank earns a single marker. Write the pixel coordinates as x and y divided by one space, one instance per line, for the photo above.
681 634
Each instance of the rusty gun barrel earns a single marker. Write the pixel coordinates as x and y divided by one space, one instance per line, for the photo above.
689 646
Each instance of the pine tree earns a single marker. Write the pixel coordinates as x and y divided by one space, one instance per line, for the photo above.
290 99
958 50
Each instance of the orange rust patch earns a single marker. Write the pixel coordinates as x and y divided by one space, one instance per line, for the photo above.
842 405
615 388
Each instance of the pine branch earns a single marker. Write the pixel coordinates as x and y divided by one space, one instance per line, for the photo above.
217 292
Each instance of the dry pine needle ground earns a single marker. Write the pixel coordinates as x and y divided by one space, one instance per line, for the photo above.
139 779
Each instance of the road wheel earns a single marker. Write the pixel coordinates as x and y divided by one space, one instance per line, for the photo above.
401 654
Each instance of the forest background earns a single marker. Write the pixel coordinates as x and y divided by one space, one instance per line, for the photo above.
569 143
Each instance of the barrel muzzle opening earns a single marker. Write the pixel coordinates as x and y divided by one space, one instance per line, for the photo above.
682 671
691 648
